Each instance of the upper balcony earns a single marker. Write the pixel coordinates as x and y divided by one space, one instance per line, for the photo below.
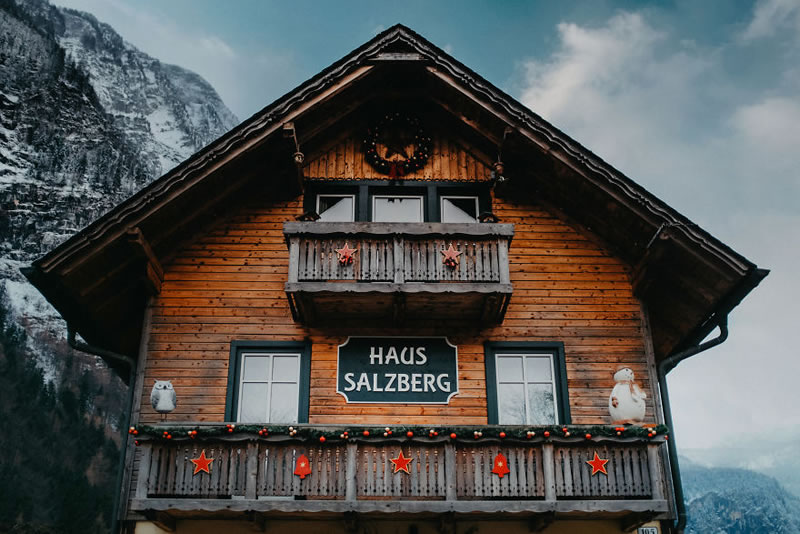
398 270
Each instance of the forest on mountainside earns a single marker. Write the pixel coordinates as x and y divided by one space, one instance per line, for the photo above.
59 459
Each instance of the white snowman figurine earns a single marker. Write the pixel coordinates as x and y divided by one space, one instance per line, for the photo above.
626 403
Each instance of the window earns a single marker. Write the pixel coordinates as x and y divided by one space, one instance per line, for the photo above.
526 384
459 209
268 383
397 208
336 208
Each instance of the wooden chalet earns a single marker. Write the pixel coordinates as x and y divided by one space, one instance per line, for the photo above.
396 260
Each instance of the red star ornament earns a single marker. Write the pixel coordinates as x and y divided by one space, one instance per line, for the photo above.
500 466
598 465
401 463
302 466
450 256
346 254
202 463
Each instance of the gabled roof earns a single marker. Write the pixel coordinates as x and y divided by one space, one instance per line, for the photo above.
683 274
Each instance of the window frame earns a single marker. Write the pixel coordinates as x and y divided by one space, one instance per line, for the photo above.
443 196
556 350
238 348
375 196
353 196
364 190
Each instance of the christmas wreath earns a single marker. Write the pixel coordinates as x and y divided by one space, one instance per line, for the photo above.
396 131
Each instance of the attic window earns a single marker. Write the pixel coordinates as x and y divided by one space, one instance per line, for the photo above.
397 208
336 208
459 209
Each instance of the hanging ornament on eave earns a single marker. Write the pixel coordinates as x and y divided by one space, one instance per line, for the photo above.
500 465
302 466
346 254
450 257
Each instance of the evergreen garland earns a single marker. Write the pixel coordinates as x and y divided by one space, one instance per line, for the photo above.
399 433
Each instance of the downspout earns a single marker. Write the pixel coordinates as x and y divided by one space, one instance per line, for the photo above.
667 365
131 363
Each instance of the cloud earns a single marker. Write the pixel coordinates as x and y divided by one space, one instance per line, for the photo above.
772 16
674 116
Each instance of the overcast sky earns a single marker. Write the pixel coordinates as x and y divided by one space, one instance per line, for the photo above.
697 101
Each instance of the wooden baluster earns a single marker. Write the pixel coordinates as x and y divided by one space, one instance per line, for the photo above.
251 479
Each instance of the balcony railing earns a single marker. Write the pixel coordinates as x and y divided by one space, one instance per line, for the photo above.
256 475
402 264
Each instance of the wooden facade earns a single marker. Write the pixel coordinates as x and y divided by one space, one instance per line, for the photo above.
560 255
229 285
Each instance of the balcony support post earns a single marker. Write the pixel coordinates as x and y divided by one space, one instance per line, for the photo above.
252 471
144 472
351 472
502 261
549 472
399 265
654 466
450 471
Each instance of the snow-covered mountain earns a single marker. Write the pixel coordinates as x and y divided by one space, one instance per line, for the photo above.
86 120
737 501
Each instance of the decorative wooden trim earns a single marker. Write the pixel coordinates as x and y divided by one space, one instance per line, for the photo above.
598 506
356 287
234 366
389 229
556 348
154 273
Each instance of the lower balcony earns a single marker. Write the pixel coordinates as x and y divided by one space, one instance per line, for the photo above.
256 477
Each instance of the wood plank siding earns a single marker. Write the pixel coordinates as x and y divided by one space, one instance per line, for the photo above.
449 160
228 284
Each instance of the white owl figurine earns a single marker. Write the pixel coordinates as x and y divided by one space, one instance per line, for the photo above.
163 397
626 403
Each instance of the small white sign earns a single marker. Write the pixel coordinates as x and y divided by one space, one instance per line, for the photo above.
647 530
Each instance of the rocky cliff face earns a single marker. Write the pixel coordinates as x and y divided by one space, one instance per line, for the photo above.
86 119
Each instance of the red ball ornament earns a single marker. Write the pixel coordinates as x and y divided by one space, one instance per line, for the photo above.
453 435
366 433
136 442
588 436
322 439
410 434
502 434
547 433
436 433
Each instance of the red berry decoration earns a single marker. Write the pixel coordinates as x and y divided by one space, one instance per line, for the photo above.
410 434
322 439
502 434
547 433
453 435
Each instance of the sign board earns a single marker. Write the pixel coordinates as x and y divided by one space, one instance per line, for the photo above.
397 370
647 530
